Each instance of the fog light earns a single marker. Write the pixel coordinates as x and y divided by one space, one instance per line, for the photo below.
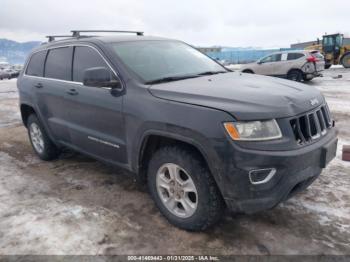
261 176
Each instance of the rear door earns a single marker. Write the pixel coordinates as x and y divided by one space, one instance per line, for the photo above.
52 103
47 82
95 113
295 60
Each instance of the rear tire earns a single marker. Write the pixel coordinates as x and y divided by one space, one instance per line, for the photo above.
295 75
345 61
177 175
41 143
248 71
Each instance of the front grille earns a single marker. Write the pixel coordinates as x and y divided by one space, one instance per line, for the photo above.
311 125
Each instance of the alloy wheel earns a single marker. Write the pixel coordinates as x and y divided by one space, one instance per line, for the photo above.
177 190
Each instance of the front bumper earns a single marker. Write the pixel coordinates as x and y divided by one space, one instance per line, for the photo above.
295 170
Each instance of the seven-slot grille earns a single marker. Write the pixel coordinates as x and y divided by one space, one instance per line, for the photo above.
312 125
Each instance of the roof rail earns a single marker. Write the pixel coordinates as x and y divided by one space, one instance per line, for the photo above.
53 37
76 33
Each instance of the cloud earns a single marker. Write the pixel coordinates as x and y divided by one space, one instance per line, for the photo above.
265 23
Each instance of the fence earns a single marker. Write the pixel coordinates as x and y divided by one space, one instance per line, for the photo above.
243 56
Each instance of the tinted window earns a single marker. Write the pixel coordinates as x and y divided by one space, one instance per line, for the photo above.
84 58
293 56
59 63
272 58
36 64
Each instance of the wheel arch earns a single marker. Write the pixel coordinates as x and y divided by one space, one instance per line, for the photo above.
248 71
294 69
155 139
26 111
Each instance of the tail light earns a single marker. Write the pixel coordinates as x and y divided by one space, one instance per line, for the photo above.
312 59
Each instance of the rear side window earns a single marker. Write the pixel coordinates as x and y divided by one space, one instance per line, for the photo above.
59 63
36 64
293 56
84 58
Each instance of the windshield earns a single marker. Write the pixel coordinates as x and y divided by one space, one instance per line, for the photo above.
168 60
328 41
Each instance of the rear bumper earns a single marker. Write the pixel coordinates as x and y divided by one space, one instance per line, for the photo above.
295 170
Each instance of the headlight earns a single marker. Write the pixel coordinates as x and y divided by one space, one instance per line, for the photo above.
253 130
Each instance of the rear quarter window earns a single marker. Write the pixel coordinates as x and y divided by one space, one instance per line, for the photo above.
59 63
36 64
294 56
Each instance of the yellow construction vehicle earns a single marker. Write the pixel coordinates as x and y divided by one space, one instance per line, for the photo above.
334 50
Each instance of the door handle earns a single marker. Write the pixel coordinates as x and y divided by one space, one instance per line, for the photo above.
39 85
72 92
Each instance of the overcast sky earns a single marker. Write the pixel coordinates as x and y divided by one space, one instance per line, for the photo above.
263 23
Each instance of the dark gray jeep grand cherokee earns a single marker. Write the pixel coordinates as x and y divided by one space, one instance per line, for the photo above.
202 137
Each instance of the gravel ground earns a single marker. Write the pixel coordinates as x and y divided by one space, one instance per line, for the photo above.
76 205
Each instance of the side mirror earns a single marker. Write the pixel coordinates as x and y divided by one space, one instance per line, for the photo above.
259 62
100 77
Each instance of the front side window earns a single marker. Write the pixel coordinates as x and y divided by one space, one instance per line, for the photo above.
36 64
59 63
272 58
154 60
85 58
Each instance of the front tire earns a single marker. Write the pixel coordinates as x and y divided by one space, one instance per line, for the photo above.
345 61
41 143
295 75
183 189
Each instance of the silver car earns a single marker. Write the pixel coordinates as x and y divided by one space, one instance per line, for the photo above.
293 65
4 74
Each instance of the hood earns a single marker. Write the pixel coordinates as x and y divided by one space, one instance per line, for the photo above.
244 96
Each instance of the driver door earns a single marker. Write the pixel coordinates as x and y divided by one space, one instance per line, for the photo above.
95 113
267 65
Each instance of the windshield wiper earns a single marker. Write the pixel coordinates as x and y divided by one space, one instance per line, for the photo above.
169 79
176 78
207 73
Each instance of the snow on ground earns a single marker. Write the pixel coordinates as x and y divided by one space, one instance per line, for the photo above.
9 114
76 205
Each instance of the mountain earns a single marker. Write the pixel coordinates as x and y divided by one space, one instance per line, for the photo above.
15 52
